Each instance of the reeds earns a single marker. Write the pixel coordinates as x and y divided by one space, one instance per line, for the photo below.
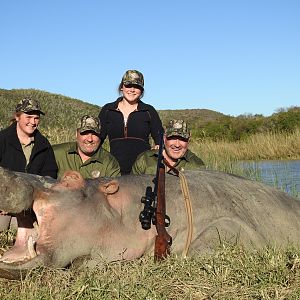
225 156
222 155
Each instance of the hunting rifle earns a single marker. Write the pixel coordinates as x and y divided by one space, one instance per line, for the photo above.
155 208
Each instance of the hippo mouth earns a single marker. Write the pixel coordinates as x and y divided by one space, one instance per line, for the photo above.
18 270
18 191
24 248
23 255
32 199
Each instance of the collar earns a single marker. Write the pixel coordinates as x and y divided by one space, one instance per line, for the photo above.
141 105
31 141
14 140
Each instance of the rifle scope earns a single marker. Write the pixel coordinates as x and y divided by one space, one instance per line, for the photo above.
146 215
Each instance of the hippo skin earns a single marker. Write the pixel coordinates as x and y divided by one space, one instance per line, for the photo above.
99 218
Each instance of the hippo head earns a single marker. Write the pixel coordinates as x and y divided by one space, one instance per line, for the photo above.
54 232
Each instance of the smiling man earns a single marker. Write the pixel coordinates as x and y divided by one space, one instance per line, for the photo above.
86 155
175 153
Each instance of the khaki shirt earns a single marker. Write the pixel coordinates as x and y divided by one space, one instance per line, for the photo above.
27 149
146 163
101 164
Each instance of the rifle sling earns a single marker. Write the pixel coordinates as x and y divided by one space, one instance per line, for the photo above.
188 206
189 211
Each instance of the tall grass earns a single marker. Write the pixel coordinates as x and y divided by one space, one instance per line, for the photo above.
218 153
57 135
222 155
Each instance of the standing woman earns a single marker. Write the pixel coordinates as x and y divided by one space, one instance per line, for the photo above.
24 149
128 122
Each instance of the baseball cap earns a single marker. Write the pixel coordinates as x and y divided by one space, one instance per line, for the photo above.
89 123
177 128
27 105
133 77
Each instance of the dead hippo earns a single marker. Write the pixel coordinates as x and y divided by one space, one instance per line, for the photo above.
99 218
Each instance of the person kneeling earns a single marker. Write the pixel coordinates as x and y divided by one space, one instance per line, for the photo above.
176 153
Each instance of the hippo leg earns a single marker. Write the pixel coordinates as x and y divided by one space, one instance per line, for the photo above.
23 248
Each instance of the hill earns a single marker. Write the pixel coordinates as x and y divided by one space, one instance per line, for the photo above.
194 117
62 112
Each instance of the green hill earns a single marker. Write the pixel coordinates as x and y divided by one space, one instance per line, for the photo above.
62 112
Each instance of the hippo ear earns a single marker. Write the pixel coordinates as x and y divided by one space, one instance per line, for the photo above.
109 188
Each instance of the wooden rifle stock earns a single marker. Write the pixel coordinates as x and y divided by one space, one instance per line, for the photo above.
155 209
163 240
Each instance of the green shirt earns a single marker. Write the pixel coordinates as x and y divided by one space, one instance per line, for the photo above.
146 162
101 164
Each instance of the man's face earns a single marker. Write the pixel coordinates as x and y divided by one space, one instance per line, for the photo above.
27 123
88 142
176 146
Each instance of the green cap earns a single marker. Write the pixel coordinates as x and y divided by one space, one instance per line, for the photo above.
28 105
133 77
89 123
177 128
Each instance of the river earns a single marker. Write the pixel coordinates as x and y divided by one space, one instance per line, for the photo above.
282 174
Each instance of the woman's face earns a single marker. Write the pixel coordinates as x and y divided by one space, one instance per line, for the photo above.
131 93
27 123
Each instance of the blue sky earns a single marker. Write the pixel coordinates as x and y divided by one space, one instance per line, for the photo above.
233 57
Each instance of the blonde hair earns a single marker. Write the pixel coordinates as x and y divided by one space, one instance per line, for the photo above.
13 118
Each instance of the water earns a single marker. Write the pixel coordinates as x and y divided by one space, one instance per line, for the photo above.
282 174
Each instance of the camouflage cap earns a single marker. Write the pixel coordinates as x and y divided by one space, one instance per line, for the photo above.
89 123
27 105
177 128
133 77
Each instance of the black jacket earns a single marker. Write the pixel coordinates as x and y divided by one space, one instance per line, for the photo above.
41 162
128 140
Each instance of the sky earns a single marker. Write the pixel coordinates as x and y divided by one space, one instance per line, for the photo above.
230 56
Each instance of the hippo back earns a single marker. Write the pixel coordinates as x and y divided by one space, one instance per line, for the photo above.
230 207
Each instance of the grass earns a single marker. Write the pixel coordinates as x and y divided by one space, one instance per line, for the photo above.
225 156
222 155
230 272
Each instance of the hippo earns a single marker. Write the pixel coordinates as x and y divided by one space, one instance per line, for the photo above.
98 219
